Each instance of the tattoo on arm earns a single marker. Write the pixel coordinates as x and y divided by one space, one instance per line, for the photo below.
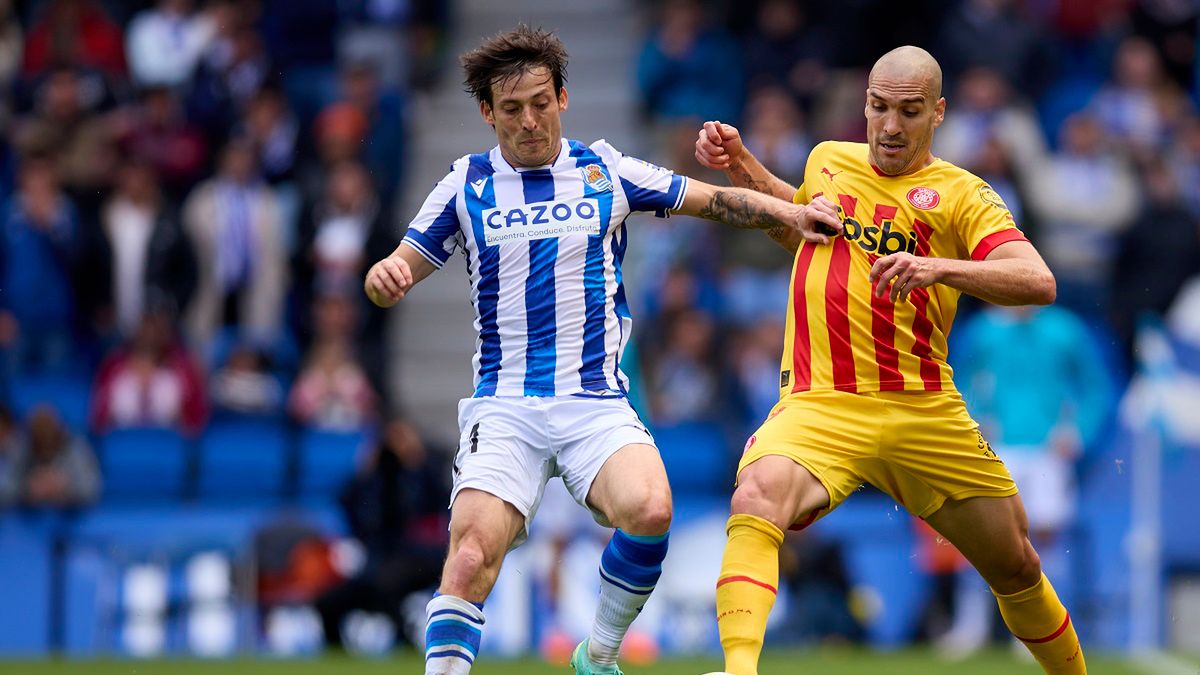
764 182
743 178
784 236
737 210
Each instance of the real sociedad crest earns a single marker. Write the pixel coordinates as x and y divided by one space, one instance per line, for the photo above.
594 176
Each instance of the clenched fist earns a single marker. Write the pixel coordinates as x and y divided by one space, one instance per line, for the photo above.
388 281
719 145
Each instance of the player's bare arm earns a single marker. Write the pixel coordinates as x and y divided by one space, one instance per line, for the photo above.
719 146
782 220
390 279
1012 274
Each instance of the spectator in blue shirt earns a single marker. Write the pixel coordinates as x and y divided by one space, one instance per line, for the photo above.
689 70
38 255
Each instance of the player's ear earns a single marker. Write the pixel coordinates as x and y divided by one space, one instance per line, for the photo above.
939 112
562 99
485 111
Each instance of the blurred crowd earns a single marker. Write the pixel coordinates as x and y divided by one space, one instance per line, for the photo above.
190 194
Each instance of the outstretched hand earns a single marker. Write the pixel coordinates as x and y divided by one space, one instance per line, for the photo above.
718 145
388 281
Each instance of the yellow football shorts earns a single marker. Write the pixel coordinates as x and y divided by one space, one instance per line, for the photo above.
921 448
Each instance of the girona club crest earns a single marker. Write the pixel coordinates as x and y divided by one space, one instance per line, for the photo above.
924 198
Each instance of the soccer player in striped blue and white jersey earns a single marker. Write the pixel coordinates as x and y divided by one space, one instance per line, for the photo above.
541 222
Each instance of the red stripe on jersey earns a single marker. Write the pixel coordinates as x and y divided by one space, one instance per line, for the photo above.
837 317
725 580
990 242
1035 641
924 232
883 213
801 347
883 329
849 204
931 373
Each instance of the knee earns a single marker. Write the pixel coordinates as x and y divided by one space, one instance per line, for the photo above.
755 497
648 514
1019 573
469 561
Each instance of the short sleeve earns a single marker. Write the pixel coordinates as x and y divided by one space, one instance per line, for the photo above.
434 230
801 196
649 187
984 221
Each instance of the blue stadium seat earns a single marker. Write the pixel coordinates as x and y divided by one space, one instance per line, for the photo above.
25 569
142 464
243 460
327 460
68 394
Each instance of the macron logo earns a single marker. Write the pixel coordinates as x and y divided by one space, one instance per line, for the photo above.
478 186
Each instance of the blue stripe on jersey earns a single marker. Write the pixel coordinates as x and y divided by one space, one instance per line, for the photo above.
595 293
541 327
645 199
432 242
620 241
480 168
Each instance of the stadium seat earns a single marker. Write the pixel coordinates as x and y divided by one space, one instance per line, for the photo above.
140 464
327 460
243 460
25 585
68 394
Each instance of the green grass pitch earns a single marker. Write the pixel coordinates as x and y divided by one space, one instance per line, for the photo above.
816 662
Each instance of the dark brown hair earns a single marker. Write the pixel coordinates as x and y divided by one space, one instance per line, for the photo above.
508 55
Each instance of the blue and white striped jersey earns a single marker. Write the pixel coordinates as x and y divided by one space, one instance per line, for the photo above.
544 248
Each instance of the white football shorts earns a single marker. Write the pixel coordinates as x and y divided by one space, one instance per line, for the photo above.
511 446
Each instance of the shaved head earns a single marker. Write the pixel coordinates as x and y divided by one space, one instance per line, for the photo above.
910 64
904 106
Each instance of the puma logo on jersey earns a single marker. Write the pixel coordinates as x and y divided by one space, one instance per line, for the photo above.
829 173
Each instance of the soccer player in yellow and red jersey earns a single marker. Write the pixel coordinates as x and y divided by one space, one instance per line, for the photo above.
866 395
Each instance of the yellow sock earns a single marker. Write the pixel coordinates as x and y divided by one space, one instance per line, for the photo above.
1037 617
746 589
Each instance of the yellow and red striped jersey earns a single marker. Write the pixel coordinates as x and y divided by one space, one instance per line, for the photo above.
839 335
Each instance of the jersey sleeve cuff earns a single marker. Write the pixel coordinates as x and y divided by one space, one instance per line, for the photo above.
683 188
989 243
421 243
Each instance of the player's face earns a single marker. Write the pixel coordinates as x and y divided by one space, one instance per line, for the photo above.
901 117
525 115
